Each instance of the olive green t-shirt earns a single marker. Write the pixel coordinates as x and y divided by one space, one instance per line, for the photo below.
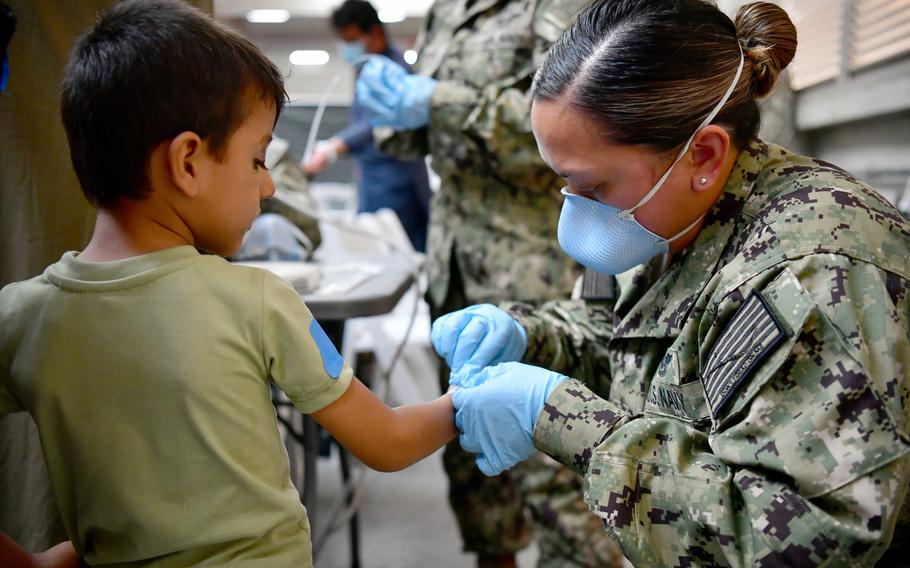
149 381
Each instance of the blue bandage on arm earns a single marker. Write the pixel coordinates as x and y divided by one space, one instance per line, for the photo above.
4 72
331 360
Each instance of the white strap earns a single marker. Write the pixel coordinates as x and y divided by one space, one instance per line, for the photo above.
687 229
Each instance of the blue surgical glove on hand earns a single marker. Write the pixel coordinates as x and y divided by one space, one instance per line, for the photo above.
478 336
496 417
397 98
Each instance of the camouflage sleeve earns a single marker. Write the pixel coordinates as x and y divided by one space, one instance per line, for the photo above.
569 337
574 422
806 461
495 116
403 144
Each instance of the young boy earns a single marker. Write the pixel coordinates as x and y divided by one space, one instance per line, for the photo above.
147 365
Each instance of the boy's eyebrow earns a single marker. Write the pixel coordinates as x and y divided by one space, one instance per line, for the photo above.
266 139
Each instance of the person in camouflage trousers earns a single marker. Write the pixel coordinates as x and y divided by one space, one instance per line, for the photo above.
490 236
758 410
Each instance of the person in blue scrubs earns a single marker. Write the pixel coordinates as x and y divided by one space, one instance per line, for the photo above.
382 181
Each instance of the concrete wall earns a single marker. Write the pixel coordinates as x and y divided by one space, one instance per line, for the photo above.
877 150
861 122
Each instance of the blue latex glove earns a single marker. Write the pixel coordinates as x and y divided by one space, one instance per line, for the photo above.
496 417
396 98
478 336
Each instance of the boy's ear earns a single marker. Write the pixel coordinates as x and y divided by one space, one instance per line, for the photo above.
185 161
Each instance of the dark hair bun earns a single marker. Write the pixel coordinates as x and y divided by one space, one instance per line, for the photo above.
768 38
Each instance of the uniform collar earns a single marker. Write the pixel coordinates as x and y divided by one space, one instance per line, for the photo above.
659 310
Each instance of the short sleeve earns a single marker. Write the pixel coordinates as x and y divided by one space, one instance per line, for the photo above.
299 357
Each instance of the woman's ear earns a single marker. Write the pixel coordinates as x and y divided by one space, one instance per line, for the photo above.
185 156
708 153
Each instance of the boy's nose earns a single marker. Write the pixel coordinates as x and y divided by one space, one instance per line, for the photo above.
267 187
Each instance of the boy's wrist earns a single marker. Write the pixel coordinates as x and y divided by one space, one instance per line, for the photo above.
447 400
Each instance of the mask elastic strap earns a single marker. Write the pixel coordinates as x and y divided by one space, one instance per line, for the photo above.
627 214
687 229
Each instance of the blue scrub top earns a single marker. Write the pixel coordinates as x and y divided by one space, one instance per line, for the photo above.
384 181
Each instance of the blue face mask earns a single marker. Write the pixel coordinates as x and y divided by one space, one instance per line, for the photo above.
352 51
611 240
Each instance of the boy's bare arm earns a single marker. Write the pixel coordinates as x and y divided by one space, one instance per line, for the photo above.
387 439
14 556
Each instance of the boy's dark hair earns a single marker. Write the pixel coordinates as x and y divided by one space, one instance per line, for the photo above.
147 71
358 12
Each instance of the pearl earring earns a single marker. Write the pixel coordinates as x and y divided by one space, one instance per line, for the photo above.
703 181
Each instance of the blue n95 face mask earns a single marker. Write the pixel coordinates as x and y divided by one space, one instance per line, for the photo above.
610 240
599 237
351 51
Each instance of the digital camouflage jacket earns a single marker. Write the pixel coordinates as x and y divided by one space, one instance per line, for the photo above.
759 409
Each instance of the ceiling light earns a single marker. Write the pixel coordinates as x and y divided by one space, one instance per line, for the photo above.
391 15
268 16
410 57
309 57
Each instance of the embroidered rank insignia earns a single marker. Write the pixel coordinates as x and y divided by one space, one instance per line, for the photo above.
749 337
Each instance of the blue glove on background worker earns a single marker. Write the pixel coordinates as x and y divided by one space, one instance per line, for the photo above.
478 336
496 411
398 99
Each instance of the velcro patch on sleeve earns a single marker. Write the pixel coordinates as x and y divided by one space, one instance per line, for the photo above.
331 360
751 335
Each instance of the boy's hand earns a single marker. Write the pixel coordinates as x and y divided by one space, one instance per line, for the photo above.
61 556
14 556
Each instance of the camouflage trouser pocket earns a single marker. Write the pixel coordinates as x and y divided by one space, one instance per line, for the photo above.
653 484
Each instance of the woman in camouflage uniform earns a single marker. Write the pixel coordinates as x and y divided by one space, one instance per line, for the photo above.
759 344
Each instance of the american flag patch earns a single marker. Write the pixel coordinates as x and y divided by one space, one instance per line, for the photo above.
749 337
